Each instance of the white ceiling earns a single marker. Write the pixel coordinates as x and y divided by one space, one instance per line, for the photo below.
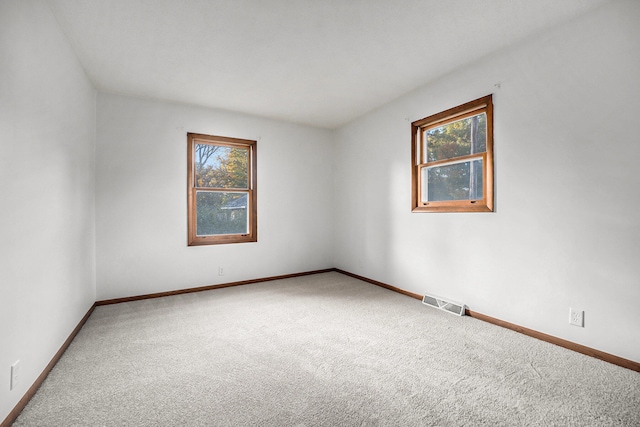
317 62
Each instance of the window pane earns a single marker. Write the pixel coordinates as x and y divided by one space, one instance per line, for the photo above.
459 138
221 213
218 166
454 181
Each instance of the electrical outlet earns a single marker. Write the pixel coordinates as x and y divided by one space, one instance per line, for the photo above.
15 375
576 317
220 271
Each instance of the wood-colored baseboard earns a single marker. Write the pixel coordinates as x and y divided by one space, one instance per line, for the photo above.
610 358
383 285
13 415
209 287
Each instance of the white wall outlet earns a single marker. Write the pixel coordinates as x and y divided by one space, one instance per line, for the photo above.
576 317
15 375
220 271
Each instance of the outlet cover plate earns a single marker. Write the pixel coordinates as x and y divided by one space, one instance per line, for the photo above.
15 375
576 317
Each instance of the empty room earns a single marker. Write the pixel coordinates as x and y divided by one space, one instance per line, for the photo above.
319 212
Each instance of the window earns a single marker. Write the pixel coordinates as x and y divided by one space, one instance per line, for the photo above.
221 190
452 159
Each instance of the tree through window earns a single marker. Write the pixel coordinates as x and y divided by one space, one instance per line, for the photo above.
452 159
222 190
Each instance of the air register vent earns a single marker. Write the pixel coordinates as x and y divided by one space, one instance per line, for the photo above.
446 305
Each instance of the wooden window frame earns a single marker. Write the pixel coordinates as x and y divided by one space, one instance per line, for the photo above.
418 158
252 211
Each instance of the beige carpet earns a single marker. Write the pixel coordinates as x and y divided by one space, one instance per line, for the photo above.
321 350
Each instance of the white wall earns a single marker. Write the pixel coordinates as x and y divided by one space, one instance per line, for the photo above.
47 230
565 232
141 200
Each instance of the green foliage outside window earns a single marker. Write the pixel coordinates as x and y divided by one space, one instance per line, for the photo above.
457 181
459 138
221 213
222 167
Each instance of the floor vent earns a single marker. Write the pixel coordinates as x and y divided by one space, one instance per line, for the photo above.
448 306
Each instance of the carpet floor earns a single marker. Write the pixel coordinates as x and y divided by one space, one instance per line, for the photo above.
320 350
